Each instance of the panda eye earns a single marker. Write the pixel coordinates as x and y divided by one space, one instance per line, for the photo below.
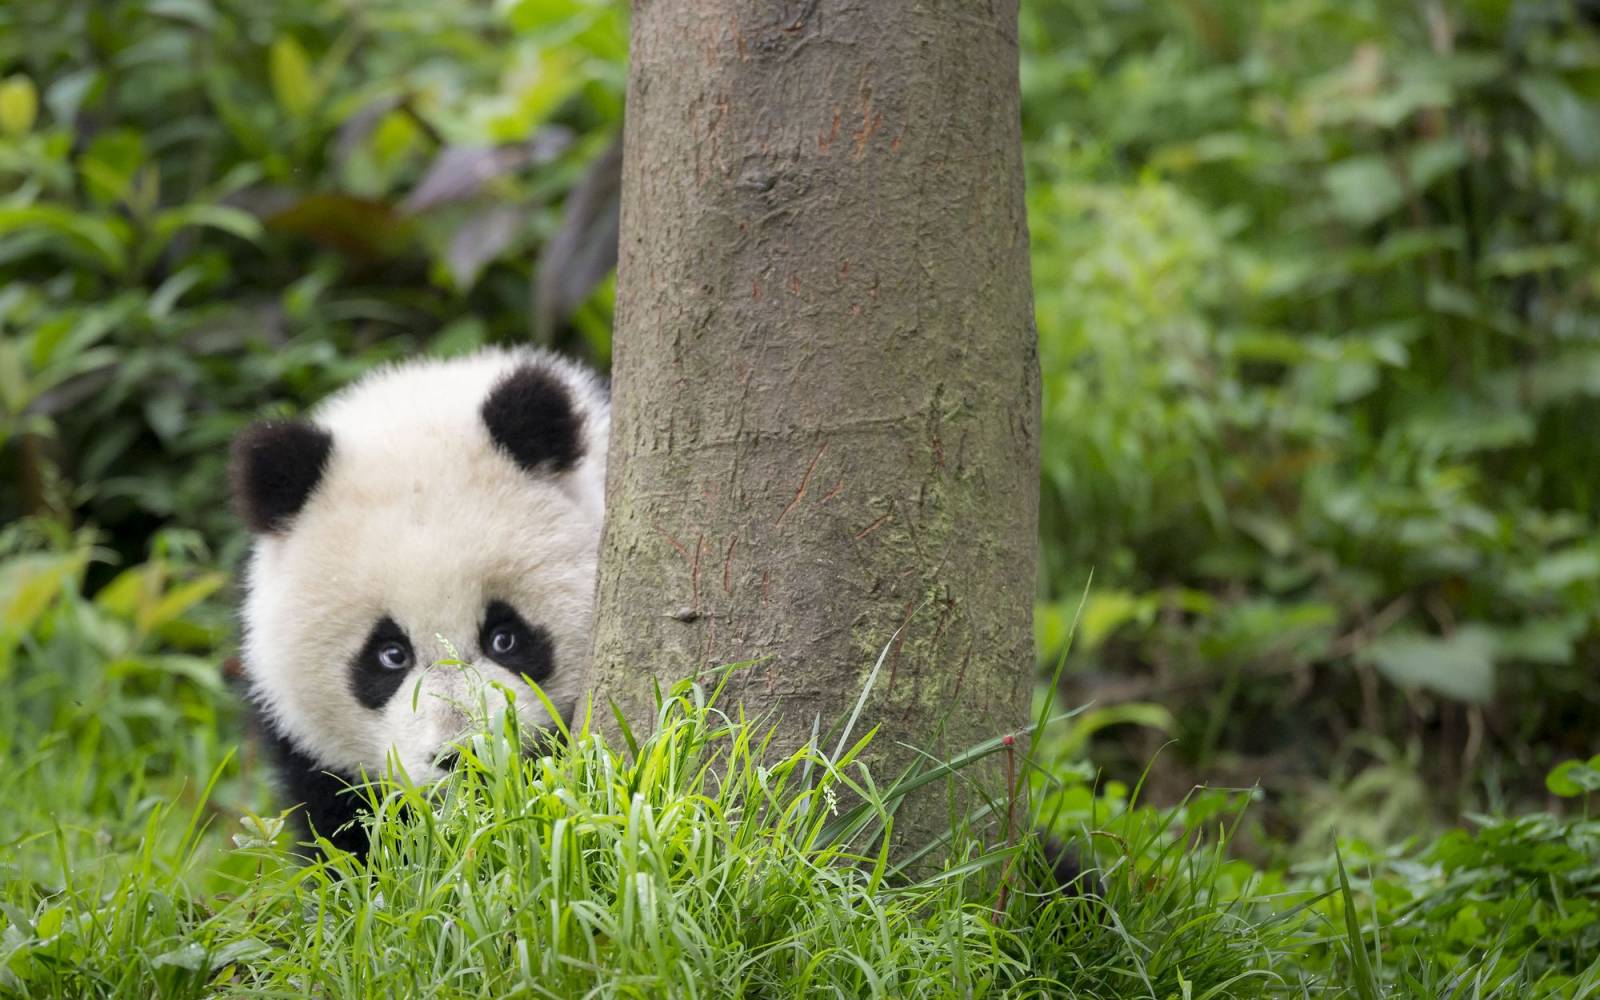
506 638
394 656
503 641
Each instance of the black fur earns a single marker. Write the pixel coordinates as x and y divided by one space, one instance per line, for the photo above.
1066 868
534 653
275 466
532 417
329 806
373 683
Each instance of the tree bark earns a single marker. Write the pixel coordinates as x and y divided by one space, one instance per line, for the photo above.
825 380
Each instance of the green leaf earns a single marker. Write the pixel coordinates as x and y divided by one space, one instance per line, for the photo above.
30 583
247 949
110 163
1082 728
1364 189
49 921
15 390
19 105
1432 160
166 412
1573 121
202 672
1513 262
191 956
124 595
66 94
1573 778
194 12
1108 610
1460 666
101 242
1366 983
293 84
1558 571
1545 640
230 220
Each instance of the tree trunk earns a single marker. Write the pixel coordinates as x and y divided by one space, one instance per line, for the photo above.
825 377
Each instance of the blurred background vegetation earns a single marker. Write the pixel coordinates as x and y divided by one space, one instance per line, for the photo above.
1319 313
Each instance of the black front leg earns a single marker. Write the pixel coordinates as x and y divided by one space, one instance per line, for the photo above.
327 803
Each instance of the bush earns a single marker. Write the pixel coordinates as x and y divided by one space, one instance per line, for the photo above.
1318 320
215 206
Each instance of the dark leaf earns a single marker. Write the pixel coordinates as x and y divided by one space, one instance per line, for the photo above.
584 248
480 239
359 126
460 172
357 227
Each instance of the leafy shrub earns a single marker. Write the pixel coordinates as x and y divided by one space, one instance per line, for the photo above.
115 704
211 205
1506 909
1318 315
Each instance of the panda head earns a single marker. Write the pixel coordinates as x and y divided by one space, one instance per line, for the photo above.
429 532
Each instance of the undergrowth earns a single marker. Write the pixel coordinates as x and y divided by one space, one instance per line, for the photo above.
139 857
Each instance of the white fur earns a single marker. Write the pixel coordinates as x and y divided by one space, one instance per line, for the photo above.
419 516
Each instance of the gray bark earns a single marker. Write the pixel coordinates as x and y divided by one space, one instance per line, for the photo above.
825 370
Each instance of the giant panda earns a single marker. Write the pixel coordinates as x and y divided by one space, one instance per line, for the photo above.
436 510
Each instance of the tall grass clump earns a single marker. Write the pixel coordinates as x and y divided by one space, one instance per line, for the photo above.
693 862
684 858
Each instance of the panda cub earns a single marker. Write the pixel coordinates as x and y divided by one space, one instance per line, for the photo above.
432 510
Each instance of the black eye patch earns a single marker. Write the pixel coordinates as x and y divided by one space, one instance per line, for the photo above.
386 658
507 639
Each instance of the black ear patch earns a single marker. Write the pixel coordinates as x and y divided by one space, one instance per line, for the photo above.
533 418
275 466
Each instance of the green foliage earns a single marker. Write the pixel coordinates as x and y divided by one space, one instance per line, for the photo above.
692 862
1318 315
1318 307
115 708
136 856
1315 290
211 205
1508 909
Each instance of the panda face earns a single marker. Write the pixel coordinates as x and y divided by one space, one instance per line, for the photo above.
426 543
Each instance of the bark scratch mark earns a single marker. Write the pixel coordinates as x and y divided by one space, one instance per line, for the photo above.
865 133
727 566
961 675
694 571
825 141
874 526
804 482
837 489
675 543
871 121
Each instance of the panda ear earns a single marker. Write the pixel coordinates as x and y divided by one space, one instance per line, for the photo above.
275 466
532 417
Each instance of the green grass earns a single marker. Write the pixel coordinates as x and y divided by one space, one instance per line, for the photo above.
1315 298
699 865
141 855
